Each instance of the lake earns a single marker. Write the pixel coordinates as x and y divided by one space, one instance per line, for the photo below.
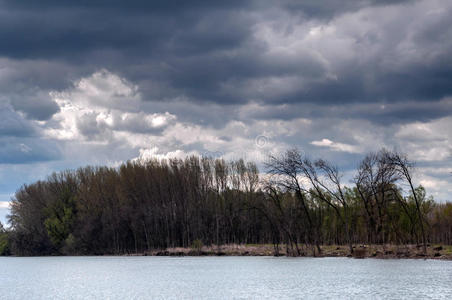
222 278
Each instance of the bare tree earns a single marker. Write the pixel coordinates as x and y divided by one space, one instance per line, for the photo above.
287 170
405 167
374 181
325 178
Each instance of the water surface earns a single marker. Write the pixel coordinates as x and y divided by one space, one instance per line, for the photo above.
222 278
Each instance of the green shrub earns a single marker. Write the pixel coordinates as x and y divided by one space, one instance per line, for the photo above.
197 245
4 244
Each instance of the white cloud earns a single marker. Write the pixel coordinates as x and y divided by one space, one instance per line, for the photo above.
427 141
4 204
440 189
336 146
102 89
97 107
103 120
153 153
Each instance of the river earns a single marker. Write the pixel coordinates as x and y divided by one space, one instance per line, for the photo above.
222 278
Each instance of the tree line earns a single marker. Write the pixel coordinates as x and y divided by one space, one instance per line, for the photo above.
296 202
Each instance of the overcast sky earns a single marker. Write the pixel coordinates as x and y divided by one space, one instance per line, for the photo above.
102 82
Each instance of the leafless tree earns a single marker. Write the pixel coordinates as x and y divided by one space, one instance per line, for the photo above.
287 170
374 181
325 179
404 168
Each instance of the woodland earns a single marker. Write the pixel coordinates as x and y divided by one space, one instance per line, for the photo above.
293 201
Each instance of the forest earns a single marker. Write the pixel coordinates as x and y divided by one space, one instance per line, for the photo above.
295 201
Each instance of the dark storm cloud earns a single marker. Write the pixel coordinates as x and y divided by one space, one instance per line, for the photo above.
207 51
331 8
73 28
160 6
37 106
334 78
25 85
12 124
141 40
382 113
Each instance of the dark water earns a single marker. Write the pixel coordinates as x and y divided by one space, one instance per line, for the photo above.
222 278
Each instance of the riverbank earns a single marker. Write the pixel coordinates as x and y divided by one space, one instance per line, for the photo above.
360 251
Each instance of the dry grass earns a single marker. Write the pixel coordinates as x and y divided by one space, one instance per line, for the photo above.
360 251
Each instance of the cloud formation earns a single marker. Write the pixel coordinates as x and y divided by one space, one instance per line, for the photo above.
100 82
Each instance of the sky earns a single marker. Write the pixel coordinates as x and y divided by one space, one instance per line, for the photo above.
103 82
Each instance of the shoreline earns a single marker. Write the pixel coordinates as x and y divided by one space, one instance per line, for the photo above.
437 252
